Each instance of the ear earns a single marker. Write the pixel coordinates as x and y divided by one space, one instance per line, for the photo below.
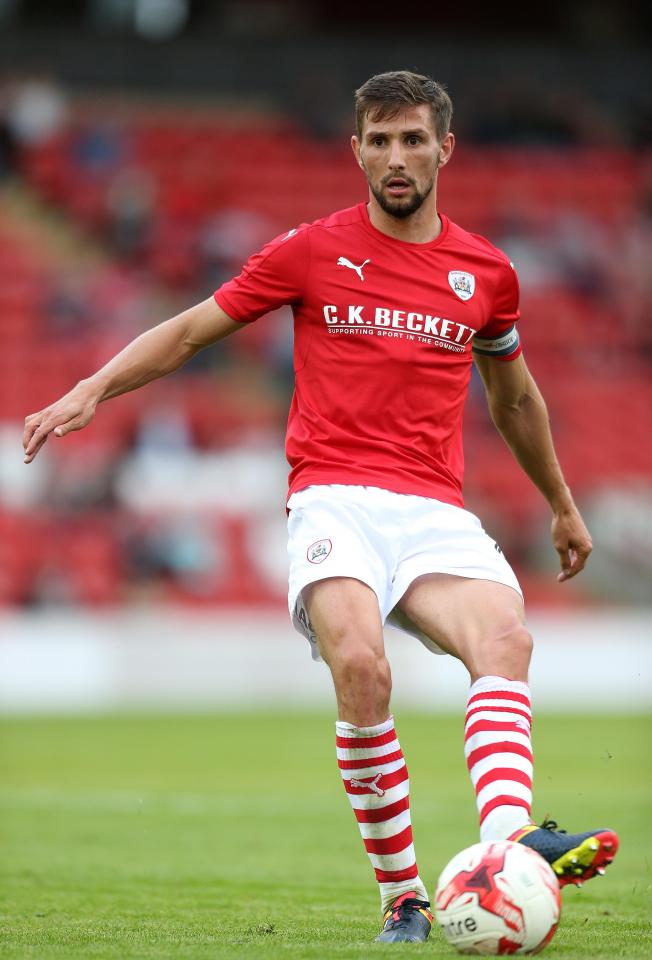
446 150
357 152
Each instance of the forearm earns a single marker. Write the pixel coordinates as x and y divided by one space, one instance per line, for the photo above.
153 354
525 427
520 413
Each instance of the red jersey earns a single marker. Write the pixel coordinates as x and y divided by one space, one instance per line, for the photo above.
384 331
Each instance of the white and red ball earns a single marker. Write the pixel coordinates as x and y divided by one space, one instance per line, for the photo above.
496 899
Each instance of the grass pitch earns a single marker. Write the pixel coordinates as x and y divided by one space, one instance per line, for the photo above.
231 836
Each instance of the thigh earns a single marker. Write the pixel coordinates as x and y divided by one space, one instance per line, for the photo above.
440 538
459 614
344 613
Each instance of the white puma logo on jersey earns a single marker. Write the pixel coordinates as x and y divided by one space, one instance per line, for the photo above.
289 234
371 785
343 262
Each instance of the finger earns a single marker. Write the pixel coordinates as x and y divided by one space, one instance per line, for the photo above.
566 562
34 448
39 435
36 439
574 564
579 558
64 428
31 424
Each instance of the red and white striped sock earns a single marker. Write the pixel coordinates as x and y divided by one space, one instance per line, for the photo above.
498 754
376 779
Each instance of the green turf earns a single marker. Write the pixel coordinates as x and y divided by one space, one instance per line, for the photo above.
230 836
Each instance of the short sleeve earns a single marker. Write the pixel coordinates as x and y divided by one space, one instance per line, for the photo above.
269 279
499 337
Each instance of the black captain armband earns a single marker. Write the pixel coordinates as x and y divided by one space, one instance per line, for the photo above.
502 346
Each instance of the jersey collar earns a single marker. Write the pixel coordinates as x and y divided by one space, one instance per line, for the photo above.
369 227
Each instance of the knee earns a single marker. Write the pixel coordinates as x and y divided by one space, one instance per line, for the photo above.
506 650
361 665
519 640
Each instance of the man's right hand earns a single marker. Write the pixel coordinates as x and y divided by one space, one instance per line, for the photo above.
72 412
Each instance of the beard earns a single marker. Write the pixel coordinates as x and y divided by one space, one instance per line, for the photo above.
400 208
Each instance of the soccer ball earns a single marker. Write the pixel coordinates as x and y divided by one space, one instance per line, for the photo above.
498 898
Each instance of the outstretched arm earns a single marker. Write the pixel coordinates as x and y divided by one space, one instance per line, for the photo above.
519 412
153 354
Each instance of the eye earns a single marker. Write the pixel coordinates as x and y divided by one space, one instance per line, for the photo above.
377 141
414 141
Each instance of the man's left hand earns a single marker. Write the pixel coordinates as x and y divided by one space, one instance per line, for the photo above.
572 542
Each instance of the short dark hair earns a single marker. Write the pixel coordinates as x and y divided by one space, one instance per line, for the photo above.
383 96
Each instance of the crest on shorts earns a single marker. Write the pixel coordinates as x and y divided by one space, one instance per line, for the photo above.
462 283
319 550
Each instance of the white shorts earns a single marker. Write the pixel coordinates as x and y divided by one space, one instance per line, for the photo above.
386 540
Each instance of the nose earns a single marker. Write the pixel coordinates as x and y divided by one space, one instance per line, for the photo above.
396 158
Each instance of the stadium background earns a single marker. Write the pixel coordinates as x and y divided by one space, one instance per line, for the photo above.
168 782
147 149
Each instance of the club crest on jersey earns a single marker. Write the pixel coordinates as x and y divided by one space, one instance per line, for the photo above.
319 550
462 283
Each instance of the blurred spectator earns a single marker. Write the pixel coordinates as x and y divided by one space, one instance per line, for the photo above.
130 201
620 519
121 305
98 148
172 550
37 109
18 491
8 146
227 238
163 431
52 586
67 303
83 481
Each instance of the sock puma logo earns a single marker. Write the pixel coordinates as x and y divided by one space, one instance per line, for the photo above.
371 785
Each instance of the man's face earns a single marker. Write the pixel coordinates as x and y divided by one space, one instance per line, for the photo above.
400 158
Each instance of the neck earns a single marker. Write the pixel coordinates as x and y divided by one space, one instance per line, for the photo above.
423 226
